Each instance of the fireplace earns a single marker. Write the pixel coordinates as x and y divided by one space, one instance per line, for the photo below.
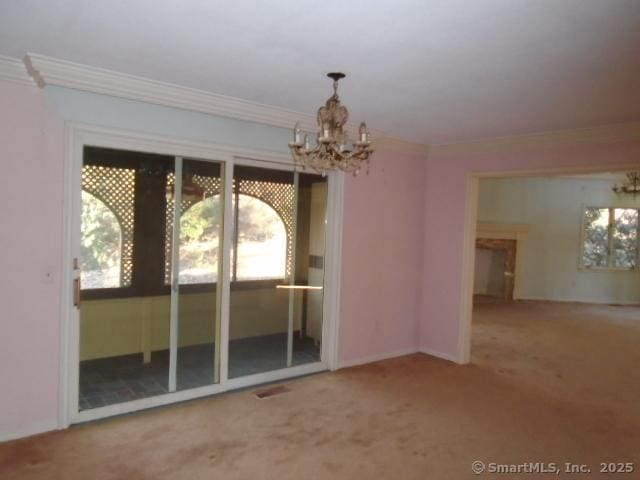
509 240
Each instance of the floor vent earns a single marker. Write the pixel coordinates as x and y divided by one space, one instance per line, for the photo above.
270 392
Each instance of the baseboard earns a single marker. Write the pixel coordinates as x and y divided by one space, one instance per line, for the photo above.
376 358
438 354
28 430
587 302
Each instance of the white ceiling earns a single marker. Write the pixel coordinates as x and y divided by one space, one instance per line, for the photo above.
433 71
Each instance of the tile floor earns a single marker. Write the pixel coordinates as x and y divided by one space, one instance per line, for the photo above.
112 380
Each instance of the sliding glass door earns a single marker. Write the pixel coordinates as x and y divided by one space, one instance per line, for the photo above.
149 310
277 271
151 289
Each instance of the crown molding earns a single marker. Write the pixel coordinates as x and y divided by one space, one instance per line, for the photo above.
601 134
51 71
14 70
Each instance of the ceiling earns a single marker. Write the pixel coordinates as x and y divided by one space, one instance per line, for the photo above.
434 71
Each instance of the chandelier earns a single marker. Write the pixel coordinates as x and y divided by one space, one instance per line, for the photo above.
333 150
632 185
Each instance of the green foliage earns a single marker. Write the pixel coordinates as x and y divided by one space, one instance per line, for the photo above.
201 221
596 239
101 237
623 231
257 221
199 227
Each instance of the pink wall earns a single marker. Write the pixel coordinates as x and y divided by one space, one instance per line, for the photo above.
30 245
382 257
446 176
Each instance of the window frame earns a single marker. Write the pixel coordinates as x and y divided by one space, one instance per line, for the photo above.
609 268
141 285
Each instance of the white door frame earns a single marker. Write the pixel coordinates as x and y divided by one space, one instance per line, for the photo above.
80 135
469 238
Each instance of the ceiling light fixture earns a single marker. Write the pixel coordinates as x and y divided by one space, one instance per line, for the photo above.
631 186
333 150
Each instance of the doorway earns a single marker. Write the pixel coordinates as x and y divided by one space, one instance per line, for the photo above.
510 228
574 319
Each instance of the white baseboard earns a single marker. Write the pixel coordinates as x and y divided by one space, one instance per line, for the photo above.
438 354
28 430
397 353
570 300
376 358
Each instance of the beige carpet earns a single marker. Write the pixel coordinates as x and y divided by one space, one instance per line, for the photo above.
549 382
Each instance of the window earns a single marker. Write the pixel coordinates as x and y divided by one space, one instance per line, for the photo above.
127 224
261 241
199 227
610 238
107 214
121 192
101 245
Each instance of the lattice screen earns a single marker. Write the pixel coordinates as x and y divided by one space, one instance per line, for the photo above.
280 196
116 188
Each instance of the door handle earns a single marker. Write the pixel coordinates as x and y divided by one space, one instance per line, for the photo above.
76 292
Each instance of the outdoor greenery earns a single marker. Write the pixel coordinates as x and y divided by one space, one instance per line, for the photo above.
625 238
199 227
100 245
261 240
617 227
596 234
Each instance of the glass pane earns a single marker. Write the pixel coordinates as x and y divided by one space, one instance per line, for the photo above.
279 240
199 241
596 243
125 308
625 235
261 259
108 194
100 245
262 241
200 238
309 268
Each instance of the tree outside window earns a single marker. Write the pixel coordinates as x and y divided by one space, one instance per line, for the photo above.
100 245
261 241
610 238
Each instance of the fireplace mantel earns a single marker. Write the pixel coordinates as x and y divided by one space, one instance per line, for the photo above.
502 231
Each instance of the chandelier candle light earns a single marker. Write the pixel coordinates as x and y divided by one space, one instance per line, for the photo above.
333 150
632 185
